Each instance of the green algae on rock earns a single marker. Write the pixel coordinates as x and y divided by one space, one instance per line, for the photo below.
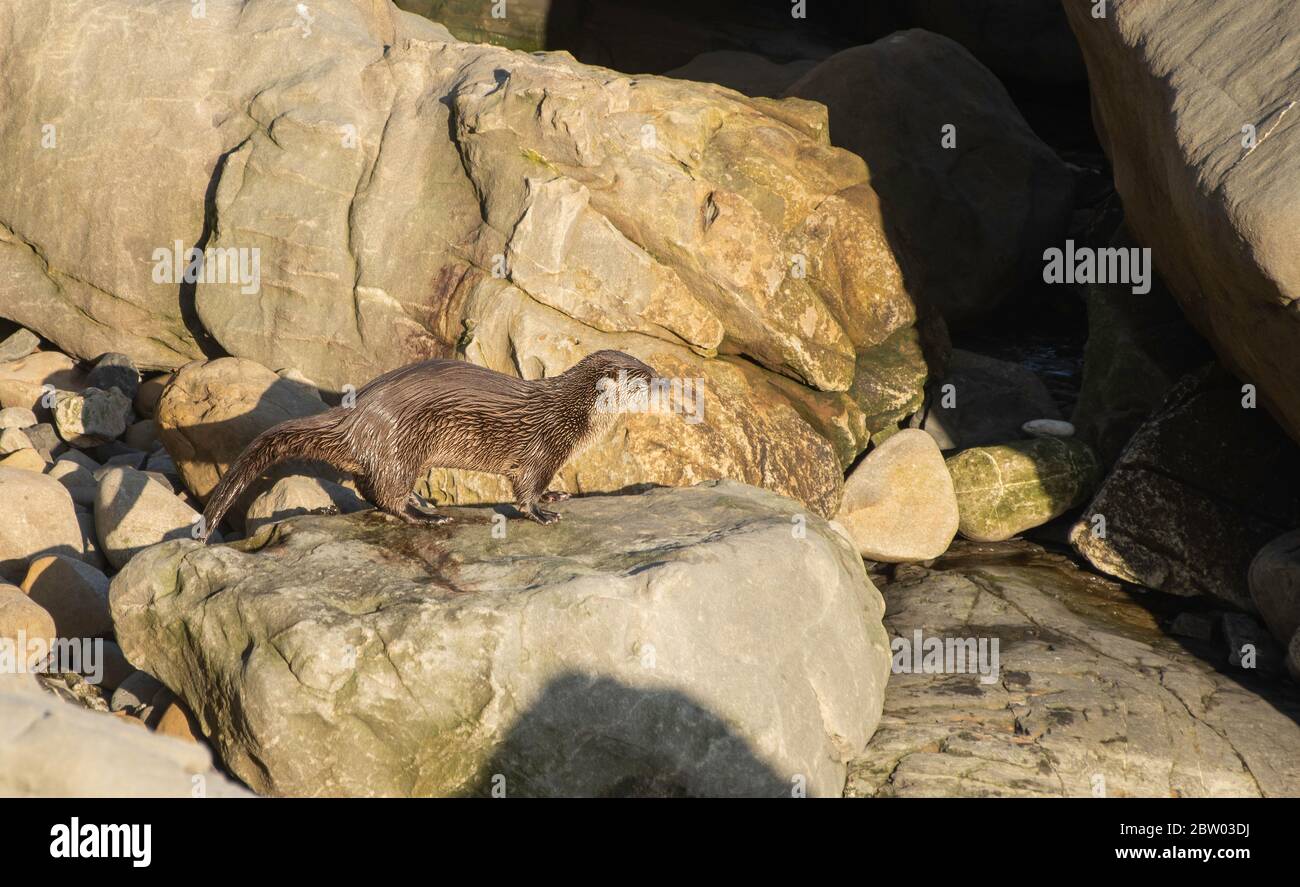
1007 489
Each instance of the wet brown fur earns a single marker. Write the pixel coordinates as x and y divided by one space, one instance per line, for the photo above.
442 414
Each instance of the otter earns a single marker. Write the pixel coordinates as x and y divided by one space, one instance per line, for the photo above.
447 414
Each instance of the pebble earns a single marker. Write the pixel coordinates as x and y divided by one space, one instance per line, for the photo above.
114 370
18 345
17 417
12 440
1048 428
74 593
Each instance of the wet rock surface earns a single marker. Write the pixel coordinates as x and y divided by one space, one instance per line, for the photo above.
1093 696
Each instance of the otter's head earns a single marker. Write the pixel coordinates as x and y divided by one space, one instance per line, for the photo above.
617 366
619 381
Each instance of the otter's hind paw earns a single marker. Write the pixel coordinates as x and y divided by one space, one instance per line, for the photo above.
414 515
541 515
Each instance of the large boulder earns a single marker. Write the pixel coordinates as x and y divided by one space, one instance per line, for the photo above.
1195 103
713 640
1275 585
1202 486
681 226
732 423
745 72
977 211
516 210
1027 40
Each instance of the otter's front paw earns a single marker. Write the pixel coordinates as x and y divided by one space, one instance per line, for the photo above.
554 496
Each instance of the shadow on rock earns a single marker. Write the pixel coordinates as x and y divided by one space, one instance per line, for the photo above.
566 745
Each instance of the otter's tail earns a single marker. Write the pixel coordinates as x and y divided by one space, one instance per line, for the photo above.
293 439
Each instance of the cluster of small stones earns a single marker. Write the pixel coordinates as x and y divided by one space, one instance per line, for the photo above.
86 485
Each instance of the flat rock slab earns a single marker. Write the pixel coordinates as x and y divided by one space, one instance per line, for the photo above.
1092 696
711 640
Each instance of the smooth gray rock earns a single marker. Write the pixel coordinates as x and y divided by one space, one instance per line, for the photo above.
711 640
133 511
18 345
1048 428
49 748
1275 585
114 370
298 494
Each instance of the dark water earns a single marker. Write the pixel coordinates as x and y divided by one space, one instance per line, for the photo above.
1047 338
